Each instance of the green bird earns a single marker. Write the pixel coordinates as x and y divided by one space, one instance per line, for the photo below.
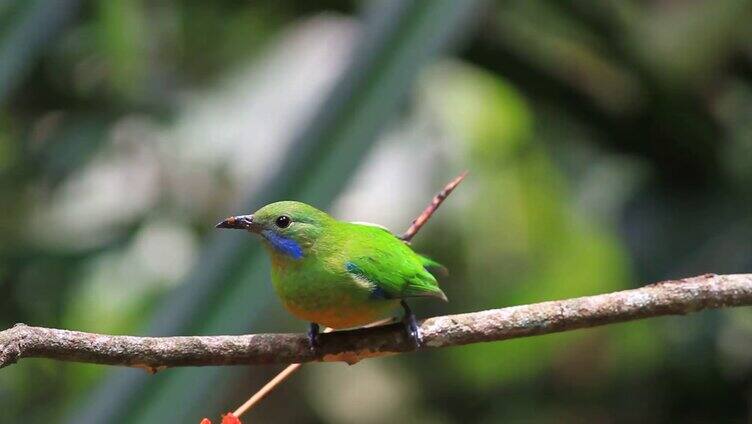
339 274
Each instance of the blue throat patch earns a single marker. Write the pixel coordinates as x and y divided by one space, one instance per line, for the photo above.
283 244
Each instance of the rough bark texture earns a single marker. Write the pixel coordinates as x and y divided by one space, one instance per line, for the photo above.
672 297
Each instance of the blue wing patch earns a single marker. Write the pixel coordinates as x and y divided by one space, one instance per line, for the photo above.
377 292
283 244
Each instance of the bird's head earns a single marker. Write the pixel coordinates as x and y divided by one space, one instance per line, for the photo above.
287 228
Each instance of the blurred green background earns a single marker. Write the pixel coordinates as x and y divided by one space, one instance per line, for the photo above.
609 145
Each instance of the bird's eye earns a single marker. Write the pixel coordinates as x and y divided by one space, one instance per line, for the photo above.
283 221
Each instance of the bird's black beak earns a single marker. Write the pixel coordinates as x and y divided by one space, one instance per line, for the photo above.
240 222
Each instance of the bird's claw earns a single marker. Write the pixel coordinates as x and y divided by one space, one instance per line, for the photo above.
411 325
414 331
313 337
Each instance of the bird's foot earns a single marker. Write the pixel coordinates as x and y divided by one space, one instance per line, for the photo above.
411 325
313 336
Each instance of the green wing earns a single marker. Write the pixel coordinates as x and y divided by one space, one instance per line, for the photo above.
435 268
393 268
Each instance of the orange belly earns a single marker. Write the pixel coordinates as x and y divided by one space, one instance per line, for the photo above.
344 316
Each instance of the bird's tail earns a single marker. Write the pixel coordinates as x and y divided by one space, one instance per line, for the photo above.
435 268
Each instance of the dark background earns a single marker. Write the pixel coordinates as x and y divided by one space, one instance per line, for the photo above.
609 145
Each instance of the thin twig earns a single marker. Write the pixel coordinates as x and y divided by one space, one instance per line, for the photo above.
269 386
674 297
417 224
284 375
431 208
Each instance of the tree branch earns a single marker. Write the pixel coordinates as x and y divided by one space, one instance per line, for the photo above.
674 297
